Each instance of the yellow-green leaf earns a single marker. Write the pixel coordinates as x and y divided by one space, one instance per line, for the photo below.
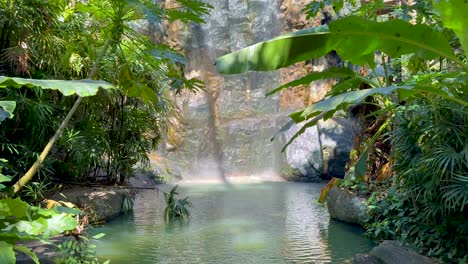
82 88
454 14
7 255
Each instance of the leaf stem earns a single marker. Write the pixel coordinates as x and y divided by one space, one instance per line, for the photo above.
377 77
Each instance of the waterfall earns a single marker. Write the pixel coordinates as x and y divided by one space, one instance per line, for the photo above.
227 127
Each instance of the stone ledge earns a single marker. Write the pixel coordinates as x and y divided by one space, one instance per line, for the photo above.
105 203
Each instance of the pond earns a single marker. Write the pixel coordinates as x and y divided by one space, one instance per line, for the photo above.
245 223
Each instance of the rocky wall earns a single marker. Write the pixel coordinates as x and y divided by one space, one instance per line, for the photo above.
228 127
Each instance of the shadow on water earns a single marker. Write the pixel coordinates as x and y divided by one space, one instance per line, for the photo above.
339 236
251 223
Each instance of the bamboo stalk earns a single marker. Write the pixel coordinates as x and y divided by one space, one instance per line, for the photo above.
28 176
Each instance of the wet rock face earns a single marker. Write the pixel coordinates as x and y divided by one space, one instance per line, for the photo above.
244 119
323 150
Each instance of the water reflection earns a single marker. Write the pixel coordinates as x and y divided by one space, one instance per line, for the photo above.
249 223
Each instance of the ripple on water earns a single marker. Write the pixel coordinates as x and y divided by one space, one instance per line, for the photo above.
249 223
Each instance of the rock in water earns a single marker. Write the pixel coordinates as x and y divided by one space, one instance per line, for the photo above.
346 207
363 259
392 252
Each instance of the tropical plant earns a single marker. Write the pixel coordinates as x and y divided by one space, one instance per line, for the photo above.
81 250
127 204
427 205
58 44
412 125
20 221
82 88
395 38
176 208
143 72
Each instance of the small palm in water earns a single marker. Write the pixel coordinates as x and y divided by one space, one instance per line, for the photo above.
176 208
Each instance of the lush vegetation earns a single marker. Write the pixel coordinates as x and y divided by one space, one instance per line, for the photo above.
57 126
411 97
84 97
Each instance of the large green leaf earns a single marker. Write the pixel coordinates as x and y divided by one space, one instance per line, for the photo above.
13 207
4 178
341 101
276 53
7 255
6 109
454 14
82 88
59 223
328 107
354 38
326 74
28 222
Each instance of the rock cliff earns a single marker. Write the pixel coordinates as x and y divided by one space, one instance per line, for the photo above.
228 126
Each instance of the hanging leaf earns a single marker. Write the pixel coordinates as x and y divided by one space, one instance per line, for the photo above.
7 255
394 37
314 76
82 88
341 101
6 109
358 171
326 108
346 84
59 223
301 131
276 53
454 15
4 178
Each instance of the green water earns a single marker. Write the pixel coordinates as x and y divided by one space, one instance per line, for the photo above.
249 223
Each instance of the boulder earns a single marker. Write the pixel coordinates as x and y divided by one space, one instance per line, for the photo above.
363 259
102 203
321 151
392 252
346 207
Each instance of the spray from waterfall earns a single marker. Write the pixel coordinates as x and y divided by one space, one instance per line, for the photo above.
213 125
